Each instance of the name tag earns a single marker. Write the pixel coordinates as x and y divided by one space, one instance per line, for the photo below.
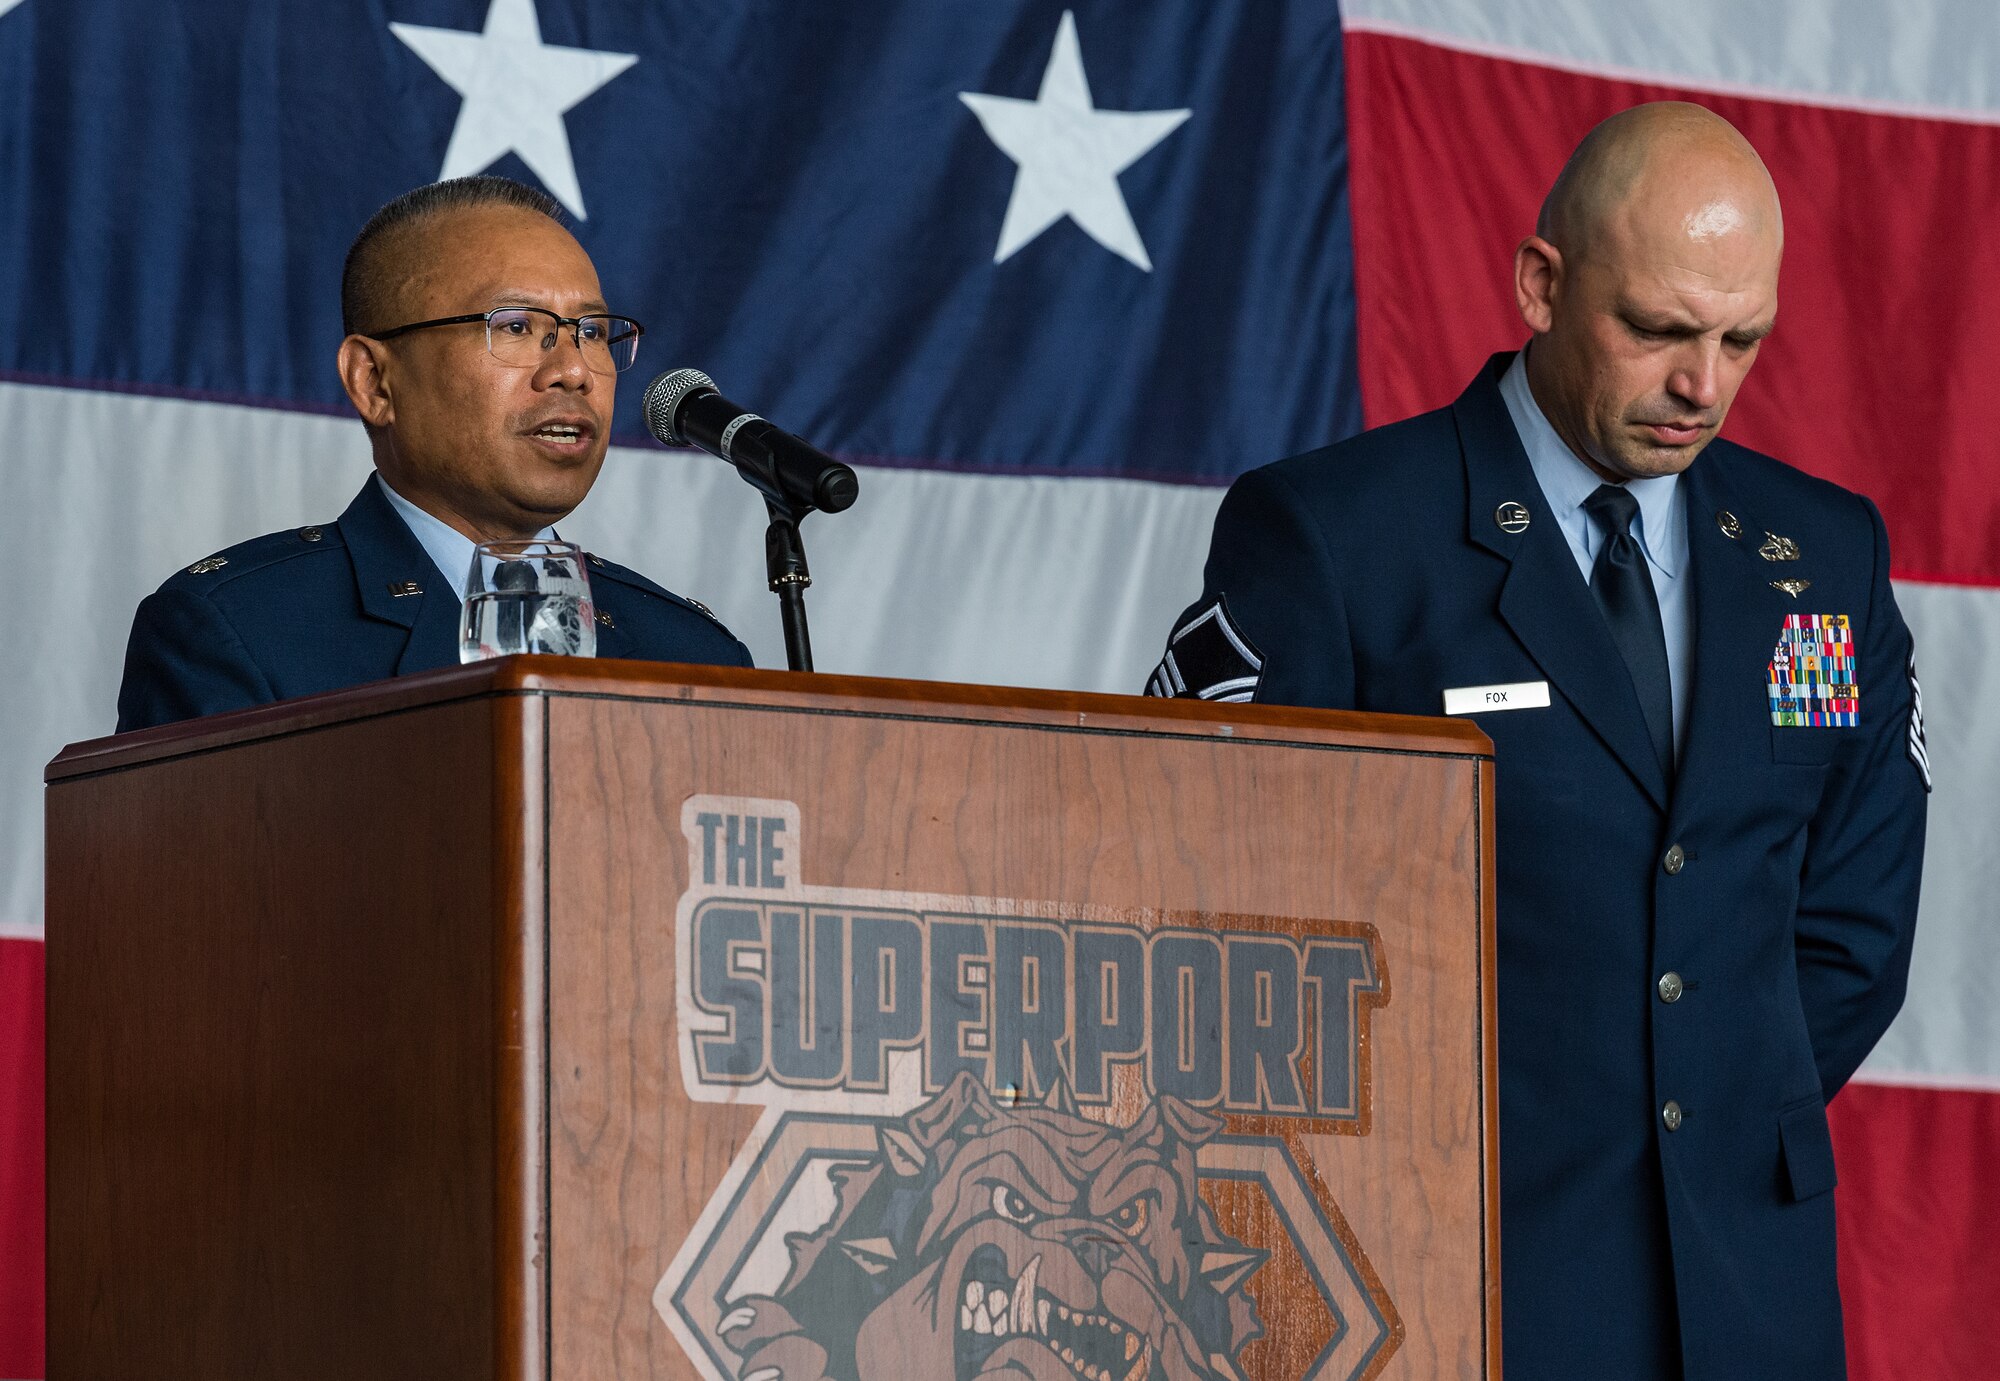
1520 695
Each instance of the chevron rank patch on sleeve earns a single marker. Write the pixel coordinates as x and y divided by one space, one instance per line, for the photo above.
1919 754
1208 658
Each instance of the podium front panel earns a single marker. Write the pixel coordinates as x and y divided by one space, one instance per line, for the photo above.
576 1021
905 1041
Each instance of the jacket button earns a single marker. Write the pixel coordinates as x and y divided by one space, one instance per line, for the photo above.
310 534
1671 1115
1671 987
1676 858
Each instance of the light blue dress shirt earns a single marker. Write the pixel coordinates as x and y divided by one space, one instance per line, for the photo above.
1661 527
450 550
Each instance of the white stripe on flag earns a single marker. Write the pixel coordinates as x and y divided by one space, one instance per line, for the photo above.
1933 58
1949 1030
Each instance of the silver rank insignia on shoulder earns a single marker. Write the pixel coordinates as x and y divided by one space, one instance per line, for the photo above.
703 607
1778 548
1919 753
1794 588
1726 520
1209 658
207 564
1512 517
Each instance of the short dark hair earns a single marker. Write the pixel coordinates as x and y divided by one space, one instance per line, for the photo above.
365 281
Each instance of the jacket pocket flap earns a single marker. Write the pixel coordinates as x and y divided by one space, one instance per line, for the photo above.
1808 1145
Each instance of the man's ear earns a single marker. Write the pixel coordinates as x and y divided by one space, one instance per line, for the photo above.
1538 272
364 373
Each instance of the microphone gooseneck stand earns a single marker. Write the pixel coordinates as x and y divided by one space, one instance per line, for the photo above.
796 478
833 491
785 564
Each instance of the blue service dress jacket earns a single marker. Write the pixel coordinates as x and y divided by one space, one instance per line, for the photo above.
1687 972
340 604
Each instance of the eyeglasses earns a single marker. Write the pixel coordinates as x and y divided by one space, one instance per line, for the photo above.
523 336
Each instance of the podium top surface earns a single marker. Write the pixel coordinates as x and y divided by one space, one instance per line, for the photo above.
809 692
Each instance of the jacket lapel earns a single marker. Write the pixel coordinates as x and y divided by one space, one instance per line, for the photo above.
1545 599
1737 617
388 560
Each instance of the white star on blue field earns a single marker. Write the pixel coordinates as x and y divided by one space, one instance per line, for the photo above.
516 89
1070 154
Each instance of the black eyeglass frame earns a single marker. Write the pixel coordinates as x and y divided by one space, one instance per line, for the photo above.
575 324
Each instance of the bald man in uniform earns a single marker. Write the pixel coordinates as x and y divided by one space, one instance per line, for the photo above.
482 359
1711 773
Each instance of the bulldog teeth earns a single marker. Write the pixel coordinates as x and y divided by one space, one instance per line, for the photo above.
1024 1297
1005 1309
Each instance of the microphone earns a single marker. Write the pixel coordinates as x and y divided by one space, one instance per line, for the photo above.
683 409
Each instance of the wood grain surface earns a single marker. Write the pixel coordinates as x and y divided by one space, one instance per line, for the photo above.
363 1022
1063 814
537 676
287 1078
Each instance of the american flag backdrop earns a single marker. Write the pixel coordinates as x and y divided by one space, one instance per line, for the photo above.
1050 273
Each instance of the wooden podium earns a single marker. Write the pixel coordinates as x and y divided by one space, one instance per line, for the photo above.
589 1020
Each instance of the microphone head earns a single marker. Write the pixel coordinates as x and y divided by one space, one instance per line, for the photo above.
836 489
664 397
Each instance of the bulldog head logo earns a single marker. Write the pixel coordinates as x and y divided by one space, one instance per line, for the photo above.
991 1240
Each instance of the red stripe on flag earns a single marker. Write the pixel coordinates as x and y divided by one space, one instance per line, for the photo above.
1919 1204
21 1158
1880 374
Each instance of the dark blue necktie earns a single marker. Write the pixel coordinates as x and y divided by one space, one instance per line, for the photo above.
1623 588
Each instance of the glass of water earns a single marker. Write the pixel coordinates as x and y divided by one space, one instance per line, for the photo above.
527 597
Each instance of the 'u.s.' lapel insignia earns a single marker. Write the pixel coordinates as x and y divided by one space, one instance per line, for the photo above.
1727 522
1810 680
1791 587
1778 548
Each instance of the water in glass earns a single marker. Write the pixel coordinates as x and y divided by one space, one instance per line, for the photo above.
527 597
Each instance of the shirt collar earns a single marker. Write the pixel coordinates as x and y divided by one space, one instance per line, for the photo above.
450 550
1566 481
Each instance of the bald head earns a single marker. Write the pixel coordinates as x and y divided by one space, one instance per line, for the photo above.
1650 279
1660 169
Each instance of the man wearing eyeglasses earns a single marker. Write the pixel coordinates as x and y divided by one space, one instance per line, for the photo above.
482 359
